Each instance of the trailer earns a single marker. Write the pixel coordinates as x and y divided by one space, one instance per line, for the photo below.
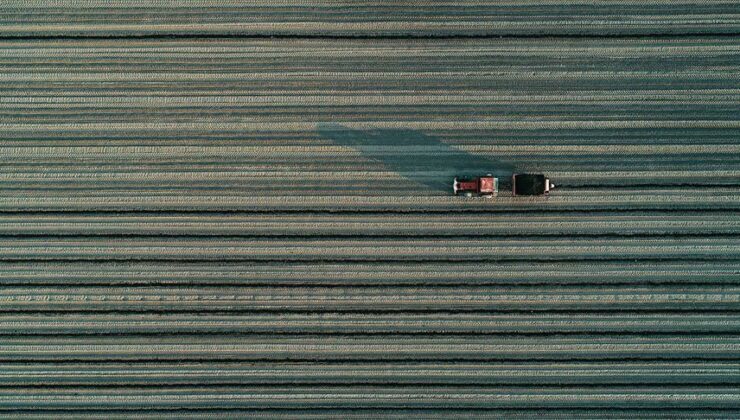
530 184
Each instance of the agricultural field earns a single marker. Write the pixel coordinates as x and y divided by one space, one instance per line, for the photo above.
246 210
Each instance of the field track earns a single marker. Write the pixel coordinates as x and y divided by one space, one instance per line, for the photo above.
222 209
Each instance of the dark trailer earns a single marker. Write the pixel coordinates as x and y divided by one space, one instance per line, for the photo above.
530 184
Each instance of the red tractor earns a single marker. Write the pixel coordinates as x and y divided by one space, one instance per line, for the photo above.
484 186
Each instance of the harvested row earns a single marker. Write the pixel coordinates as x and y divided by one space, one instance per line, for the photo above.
370 397
356 18
726 199
375 348
328 224
291 249
476 136
388 274
706 107
543 324
707 110
99 157
128 160
297 179
353 373
316 299
398 413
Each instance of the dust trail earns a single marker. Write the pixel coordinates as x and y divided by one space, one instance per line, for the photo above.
436 165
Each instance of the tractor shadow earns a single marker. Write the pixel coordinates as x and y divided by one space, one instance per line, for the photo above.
418 157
